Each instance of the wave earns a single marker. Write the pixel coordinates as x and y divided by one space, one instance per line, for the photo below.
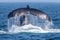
29 28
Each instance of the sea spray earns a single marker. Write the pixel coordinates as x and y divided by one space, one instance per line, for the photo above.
35 25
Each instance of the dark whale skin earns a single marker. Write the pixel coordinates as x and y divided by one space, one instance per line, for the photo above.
33 11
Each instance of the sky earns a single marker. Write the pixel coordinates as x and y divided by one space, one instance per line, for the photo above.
29 0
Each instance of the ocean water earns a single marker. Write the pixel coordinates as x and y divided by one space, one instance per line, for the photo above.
52 9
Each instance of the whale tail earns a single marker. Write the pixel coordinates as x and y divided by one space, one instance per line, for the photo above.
22 16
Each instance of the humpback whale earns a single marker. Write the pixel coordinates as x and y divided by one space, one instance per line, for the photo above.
22 12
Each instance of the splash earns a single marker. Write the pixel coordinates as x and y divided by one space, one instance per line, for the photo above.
33 20
29 28
35 25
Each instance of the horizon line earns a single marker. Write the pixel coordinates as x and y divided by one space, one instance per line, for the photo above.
29 2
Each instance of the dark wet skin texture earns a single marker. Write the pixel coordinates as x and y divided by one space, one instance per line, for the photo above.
33 11
22 19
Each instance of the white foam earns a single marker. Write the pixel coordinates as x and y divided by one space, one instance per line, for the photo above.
31 28
2 32
26 28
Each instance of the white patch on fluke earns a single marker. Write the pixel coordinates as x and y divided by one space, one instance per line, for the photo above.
42 16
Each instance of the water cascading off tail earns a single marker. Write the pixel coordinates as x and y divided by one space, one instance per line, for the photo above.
41 24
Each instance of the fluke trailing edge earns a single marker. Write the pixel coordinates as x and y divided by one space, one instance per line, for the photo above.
24 11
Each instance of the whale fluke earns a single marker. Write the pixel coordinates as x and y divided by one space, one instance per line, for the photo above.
22 12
